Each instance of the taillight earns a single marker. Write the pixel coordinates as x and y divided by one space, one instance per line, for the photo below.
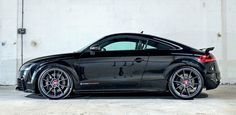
206 58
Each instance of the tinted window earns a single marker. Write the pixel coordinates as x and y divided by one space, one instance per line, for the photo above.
157 45
120 45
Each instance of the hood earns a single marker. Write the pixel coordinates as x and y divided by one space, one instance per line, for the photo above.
54 57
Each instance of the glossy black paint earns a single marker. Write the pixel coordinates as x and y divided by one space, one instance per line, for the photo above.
137 70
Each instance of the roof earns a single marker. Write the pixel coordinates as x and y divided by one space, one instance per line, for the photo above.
150 36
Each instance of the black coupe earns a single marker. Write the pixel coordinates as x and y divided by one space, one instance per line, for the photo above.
124 62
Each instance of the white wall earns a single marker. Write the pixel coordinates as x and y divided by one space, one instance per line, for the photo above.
8 36
76 23
230 37
58 26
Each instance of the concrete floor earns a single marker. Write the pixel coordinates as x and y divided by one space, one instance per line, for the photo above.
219 101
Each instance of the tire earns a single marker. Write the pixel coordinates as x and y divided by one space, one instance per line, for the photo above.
55 82
186 82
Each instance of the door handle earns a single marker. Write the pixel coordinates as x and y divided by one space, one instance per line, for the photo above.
138 60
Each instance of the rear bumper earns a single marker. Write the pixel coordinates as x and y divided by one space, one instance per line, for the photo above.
212 81
212 75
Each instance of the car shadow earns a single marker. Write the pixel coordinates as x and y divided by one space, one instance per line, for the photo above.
152 95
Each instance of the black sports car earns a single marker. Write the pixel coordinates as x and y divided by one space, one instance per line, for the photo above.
123 63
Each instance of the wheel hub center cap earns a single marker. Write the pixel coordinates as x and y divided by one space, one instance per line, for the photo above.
186 82
54 83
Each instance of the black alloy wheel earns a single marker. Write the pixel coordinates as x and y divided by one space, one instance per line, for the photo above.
186 83
55 83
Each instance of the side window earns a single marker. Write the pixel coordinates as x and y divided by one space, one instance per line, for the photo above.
120 45
157 45
150 47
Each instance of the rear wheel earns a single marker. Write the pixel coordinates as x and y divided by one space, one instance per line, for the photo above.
55 83
186 82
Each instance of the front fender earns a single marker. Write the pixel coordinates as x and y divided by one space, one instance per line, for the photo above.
43 66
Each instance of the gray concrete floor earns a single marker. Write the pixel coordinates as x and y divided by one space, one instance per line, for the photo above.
219 101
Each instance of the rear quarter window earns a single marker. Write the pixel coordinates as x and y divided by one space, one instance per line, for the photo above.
159 46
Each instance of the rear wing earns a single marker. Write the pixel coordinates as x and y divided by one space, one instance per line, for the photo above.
207 50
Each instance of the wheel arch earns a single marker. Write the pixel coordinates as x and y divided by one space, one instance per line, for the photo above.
37 72
183 62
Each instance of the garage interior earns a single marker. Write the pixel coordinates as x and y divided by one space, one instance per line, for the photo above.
35 28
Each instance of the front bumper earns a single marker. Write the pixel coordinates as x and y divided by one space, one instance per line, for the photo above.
24 82
20 84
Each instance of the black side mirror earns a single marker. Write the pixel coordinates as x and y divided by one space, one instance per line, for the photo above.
95 48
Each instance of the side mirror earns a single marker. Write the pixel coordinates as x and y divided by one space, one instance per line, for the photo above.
95 48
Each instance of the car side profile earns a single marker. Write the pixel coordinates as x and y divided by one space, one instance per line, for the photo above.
123 62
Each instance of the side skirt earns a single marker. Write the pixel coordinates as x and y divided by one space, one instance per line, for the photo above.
119 91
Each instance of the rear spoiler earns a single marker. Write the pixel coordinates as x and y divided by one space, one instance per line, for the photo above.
207 50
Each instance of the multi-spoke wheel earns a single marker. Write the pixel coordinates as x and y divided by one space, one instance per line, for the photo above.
55 83
186 83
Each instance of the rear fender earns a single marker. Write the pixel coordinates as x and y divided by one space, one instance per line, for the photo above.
183 62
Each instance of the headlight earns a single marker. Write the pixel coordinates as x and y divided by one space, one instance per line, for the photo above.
25 71
26 67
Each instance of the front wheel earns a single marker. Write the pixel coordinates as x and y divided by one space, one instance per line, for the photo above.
186 82
55 83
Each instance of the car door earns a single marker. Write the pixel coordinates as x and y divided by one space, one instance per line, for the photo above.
118 65
159 59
